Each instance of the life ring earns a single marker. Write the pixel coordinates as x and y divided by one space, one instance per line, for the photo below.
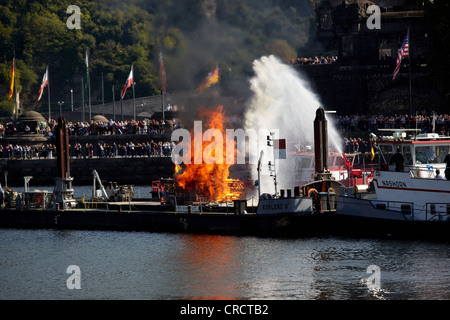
39 198
311 191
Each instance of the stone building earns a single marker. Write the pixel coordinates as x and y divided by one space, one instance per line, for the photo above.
32 119
361 80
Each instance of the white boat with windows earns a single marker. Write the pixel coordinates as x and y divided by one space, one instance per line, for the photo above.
423 153
413 196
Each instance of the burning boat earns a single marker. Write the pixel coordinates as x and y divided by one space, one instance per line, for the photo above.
201 185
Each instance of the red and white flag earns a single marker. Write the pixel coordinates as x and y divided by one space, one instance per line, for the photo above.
128 83
279 146
12 76
402 53
43 84
162 73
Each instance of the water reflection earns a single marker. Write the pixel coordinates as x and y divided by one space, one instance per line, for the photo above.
141 265
211 266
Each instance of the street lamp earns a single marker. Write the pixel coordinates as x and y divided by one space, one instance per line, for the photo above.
60 104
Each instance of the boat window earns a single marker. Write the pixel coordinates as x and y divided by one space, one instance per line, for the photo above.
387 152
425 154
407 155
302 163
441 152
306 162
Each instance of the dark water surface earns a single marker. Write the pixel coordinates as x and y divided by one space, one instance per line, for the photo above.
141 265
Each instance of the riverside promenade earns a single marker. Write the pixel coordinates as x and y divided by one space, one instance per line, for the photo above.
138 170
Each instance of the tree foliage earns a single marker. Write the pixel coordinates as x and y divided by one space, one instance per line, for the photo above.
194 36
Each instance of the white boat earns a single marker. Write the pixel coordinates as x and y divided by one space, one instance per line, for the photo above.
398 196
409 201
423 153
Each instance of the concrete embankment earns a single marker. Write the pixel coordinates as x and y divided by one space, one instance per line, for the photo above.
136 171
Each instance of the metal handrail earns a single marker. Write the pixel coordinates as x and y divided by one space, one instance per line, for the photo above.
372 201
438 214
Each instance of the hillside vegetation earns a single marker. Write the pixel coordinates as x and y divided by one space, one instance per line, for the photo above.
195 36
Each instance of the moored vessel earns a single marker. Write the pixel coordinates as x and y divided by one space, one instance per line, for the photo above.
408 200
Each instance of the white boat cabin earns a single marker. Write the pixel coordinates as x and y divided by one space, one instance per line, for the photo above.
423 153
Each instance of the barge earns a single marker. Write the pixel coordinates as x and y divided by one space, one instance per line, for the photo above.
297 214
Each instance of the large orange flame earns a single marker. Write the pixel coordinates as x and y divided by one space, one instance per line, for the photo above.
210 181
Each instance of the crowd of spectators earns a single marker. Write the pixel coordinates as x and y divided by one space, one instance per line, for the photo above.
146 126
100 150
128 149
15 152
354 145
315 60
370 123
358 123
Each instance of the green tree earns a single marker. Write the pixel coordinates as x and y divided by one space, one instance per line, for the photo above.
194 35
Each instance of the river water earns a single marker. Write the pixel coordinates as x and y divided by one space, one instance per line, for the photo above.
142 265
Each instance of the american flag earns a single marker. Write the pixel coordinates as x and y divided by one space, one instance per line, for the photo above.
402 53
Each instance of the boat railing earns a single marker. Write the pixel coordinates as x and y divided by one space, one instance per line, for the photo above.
428 172
405 208
437 211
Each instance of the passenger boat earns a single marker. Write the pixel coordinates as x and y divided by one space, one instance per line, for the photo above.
411 202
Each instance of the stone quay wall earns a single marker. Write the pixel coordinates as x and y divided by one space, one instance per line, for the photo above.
136 170
133 171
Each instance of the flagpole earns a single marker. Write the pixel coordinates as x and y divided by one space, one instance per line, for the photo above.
162 76
103 96
88 84
15 88
114 104
134 102
410 87
48 91
163 106
82 100
121 108
89 88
